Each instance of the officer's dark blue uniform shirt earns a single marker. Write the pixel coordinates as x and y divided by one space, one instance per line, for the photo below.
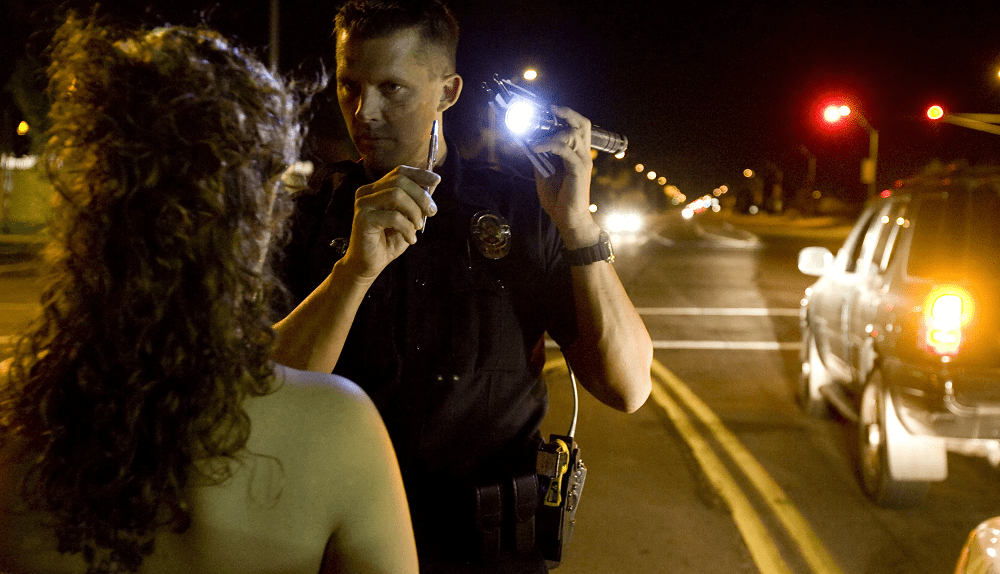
444 340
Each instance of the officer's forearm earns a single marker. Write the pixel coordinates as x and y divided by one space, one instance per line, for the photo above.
312 336
613 352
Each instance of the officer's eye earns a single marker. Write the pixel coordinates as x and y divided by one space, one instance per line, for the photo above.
390 88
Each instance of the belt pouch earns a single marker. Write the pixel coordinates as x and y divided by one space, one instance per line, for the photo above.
525 506
489 514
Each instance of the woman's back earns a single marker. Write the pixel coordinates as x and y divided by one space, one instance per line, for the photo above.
142 412
298 480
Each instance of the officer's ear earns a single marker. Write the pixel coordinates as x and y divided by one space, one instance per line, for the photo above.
450 90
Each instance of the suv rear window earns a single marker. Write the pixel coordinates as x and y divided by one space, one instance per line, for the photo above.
956 234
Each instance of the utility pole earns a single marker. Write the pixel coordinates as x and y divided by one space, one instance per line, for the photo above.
274 36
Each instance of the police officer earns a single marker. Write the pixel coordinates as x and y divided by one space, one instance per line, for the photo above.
442 322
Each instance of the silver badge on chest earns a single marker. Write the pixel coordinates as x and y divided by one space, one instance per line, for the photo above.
491 234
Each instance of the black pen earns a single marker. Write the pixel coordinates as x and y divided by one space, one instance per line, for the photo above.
432 154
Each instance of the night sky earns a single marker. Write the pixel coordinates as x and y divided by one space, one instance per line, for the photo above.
702 91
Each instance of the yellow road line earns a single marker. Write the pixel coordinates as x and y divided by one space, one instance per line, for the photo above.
813 551
762 547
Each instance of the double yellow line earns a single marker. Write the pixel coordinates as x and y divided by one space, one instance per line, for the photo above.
762 547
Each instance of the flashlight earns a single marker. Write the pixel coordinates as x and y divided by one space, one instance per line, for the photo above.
521 116
527 117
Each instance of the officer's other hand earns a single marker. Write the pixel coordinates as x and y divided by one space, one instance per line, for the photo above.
565 195
387 215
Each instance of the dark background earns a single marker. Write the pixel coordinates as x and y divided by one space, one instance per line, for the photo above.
702 90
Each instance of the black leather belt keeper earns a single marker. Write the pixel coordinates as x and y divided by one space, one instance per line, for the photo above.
489 516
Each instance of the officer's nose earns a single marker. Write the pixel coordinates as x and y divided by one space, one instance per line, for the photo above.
369 106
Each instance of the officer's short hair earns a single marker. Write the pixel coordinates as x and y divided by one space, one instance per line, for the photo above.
377 18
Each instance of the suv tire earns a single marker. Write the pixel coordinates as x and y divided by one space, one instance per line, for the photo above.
874 443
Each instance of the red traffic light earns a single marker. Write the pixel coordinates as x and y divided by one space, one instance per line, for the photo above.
833 113
935 112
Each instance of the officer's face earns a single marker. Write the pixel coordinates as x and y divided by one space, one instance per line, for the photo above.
390 90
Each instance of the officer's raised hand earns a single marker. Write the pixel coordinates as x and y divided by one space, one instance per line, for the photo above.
565 195
387 215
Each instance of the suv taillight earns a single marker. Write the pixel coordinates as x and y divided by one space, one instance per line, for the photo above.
947 310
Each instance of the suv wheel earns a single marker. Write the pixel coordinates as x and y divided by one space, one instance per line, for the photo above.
812 376
874 443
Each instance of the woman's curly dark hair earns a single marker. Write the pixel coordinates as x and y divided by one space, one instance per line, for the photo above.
166 151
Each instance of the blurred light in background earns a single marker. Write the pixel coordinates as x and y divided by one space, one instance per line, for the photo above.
833 113
623 223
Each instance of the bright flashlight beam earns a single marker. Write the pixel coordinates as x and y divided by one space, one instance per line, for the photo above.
520 117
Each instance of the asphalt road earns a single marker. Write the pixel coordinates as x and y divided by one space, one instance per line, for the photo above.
720 472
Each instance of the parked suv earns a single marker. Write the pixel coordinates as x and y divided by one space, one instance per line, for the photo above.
901 333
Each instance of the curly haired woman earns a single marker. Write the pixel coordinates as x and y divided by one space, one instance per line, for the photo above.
143 427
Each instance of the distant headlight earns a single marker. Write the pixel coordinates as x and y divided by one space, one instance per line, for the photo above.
623 223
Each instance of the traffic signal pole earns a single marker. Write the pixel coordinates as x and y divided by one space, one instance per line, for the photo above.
868 165
982 122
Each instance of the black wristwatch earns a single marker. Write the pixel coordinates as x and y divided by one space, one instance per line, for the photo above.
586 255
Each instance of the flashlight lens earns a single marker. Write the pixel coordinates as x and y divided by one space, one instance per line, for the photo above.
520 117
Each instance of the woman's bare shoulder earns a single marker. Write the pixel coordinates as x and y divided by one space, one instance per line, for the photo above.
321 408
318 391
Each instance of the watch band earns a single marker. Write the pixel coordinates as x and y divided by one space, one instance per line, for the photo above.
601 251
